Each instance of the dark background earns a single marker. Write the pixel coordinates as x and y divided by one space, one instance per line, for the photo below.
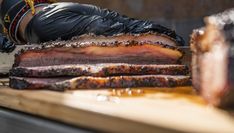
180 15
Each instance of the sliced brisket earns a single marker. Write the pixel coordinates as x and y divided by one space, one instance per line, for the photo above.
94 62
61 84
148 48
99 70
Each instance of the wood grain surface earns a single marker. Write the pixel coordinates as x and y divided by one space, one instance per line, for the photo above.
147 110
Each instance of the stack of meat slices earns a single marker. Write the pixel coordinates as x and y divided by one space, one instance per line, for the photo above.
213 59
92 62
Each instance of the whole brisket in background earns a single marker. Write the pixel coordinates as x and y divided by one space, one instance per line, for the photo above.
213 59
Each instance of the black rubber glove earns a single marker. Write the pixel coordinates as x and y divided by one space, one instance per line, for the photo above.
65 20
5 45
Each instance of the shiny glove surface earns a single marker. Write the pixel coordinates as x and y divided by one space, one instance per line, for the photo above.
5 45
65 20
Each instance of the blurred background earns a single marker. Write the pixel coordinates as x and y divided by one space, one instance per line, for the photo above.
180 15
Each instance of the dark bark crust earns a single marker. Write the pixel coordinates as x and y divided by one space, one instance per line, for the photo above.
101 41
99 70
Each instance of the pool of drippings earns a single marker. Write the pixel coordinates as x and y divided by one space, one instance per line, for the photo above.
134 92
178 93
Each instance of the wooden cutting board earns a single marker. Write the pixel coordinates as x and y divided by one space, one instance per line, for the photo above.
148 110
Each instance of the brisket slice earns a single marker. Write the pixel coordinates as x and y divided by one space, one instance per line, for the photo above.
145 48
98 70
61 84
213 59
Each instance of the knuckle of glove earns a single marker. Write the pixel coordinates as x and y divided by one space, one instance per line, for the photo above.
6 46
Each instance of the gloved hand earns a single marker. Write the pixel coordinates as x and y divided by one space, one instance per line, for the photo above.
5 45
66 20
